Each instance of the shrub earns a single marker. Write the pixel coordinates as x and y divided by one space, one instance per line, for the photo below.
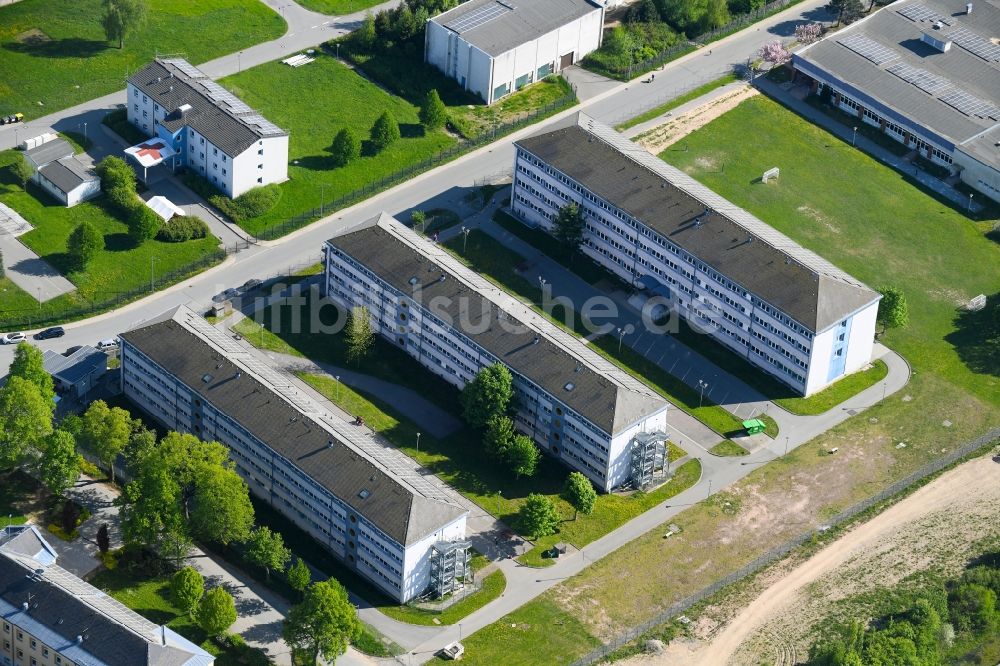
116 173
84 244
122 197
182 228
433 114
385 131
143 223
346 147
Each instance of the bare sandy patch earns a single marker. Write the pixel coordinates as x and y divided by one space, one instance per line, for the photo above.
678 127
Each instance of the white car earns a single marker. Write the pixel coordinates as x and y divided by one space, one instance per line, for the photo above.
108 345
12 338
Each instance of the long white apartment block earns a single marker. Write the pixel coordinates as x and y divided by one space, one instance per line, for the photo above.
212 132
783 308
579 407
366 503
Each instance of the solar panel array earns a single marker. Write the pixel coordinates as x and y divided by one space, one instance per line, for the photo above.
975 44
186 68
478 17
919 12
931 84
262 124
869 48
971 105
223 96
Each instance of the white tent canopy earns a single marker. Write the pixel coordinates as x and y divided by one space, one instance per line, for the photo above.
164 207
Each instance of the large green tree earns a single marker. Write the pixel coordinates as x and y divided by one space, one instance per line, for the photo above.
267 550
433 114
323 623
216 612
580 494
385 131
299 576
893 311
29 363
143 224
83 244
359 334
25 420
523 456
498 436
487 395
105 431
222 510
123 17
151 514
21 171
187 587
569 226
58 462
538 516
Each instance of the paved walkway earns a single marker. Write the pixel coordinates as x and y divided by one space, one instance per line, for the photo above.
781 92
30 272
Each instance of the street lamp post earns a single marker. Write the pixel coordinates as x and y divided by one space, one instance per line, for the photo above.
322 198
786 446
702 384
969 207
621 336
854 137
883 394
418 442
337 377
151 261
239 62
39 299
465 238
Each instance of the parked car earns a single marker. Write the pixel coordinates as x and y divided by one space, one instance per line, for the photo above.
54 332
227 295
72 350
250 285
11 119
12 338
107 345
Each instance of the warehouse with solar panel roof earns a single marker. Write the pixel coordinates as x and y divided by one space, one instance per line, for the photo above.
927 73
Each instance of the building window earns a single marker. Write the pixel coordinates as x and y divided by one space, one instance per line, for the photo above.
145 114
135 107
202 143
223 157
135 92
260 180
215 151
223 172
260 152
144 100
156 107
215 166
34 644
260 166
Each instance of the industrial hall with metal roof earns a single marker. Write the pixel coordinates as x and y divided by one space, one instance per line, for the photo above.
927 73
782 307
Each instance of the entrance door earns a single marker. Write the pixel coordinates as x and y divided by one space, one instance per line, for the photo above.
566 60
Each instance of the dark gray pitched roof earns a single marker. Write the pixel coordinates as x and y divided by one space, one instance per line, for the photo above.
67 174
390 505
221 117
497 26
894 37
77 365
62 607
49 152
604 394
763 261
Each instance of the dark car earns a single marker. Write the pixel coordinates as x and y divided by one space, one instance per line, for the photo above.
72 350
54 332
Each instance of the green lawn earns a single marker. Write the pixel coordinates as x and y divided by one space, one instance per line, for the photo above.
493 586
120 268
54 54
865 218
316 102
150 597
476 119
338 7
677 101
728 448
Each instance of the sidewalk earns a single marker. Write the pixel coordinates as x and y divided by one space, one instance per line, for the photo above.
781 93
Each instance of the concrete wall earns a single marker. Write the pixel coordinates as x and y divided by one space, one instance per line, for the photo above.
975 174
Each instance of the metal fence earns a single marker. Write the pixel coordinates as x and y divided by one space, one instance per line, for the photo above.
463 146
767 558
677 50
32 318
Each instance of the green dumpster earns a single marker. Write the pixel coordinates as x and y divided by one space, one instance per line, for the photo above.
754 426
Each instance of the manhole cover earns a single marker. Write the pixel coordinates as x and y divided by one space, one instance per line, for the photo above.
852 412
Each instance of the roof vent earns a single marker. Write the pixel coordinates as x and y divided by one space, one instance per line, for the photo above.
79 640
939 41
24 606
413 281
442 278
364 493
206 378
183 108
569 386
239 373
968 8
536 340
329 444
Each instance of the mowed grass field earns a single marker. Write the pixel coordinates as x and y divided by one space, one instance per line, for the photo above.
315 102
119 268
870 221
338 7
56 52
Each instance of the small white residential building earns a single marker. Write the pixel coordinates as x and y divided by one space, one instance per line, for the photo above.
58 172
754 290
213 133
494 47
50 617
578 406
366 503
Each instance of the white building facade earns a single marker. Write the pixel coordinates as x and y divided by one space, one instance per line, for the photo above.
346 498
214 134
779 306
494 47
457 324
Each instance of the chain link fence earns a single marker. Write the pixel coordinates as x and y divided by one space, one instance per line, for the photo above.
280 229
775 554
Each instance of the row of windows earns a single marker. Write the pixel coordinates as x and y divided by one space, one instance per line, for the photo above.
33 643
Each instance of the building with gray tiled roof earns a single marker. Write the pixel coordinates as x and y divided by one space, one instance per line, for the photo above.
780 306
578 406
58 172
51 617
925 72
368 504
213 132
494 47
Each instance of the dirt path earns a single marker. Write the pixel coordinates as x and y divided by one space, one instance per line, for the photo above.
678 127
975 484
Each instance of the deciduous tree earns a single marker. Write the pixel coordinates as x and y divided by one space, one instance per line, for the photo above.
105 432
346 147
580 494
774 52
498 436
267 549
59 463
25 420
385 131
151 513
221 510
216 612
323 623
299 576
143 224
538 516
123 17
29 363
83 244
893 311
569 227
21 171
359 334
366 34
187 587
487 395
807 33
523 456
433 113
